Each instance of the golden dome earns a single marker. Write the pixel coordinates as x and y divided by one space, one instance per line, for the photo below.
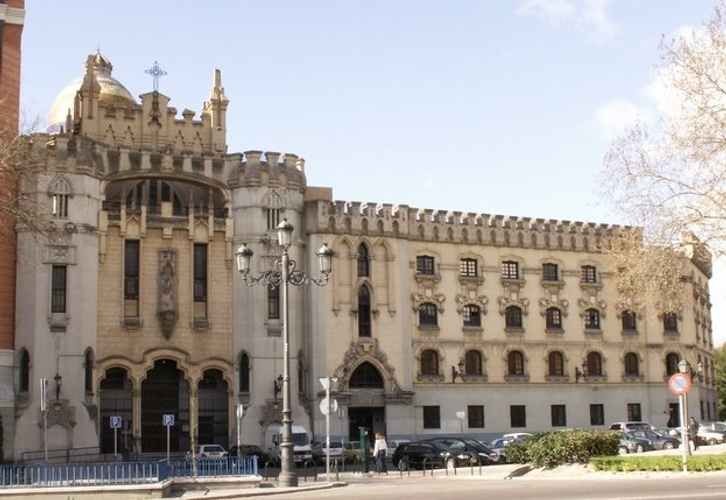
112 91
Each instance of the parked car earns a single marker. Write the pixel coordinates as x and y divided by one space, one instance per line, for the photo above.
657 440
630 426
248 450
352 452
211 451
462 452
517 436
633 444
499 446
414 455
392 445
319 451
712 432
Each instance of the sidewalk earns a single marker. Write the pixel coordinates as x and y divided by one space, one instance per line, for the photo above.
262 491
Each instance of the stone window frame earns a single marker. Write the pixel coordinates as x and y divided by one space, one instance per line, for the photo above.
60 192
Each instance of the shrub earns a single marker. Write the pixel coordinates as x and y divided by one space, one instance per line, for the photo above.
698 463
566 447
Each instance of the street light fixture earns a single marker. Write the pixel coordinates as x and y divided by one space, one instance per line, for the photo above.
284 273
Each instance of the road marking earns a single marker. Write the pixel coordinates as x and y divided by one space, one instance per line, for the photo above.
687 496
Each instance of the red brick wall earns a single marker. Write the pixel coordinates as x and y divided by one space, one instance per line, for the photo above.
9 113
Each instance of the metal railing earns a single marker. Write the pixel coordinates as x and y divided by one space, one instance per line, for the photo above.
100 474
56 475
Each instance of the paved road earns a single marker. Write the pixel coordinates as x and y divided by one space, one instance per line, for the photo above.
698 488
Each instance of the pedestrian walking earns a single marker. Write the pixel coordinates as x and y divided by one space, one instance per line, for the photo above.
693 432
379 452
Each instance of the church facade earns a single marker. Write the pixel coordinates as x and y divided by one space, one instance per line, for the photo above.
432 321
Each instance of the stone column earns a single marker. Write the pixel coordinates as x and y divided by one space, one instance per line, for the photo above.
193 413
136 414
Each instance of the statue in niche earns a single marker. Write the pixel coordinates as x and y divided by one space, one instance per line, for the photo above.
167 291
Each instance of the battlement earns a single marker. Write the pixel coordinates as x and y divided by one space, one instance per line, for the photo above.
355 217
269 168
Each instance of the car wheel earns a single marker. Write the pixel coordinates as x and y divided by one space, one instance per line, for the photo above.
668 445
403 465
451 464
712 442
623 450
640 449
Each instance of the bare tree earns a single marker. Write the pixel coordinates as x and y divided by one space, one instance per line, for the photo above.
19 204
669 178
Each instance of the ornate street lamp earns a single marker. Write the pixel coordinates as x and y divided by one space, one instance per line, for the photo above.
284 273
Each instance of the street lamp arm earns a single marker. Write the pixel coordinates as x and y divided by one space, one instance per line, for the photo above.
294 277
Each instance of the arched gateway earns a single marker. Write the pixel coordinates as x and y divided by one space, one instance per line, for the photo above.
164 391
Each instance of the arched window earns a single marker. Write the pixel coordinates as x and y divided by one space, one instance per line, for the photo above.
88 371
513 317
472 316
429 362
244 372
629 321
472 363
24 371
592 319
363 261
553 318
515 363
594 364
59 192
671 362
428 314
556 362
670 322
364 312
366 376
632 365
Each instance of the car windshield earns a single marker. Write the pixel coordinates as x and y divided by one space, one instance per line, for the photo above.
300 439
477 445
718 426
640 426
213 447
335 444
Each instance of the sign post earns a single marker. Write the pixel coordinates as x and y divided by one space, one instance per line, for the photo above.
168 421
325 408
240 414
680 384
44 412
116 422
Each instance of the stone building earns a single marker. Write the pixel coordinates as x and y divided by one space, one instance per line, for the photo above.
133 306
12 17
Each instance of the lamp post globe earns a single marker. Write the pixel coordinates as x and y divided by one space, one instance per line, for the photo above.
683 366
243 256
325 254
284 233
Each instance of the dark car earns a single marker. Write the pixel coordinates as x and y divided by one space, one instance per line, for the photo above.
462 452
659 441
247 450
633 444
417 454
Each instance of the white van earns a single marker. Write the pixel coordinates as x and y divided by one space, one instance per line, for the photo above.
302 451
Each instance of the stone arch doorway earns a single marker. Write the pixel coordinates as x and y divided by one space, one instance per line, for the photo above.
116 401
213 409
367 404
164 391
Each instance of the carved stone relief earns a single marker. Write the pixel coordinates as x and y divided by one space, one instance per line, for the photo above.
167 308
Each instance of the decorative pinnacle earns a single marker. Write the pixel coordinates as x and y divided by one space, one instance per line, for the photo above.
156 72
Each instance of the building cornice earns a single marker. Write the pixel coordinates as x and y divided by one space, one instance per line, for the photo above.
12 15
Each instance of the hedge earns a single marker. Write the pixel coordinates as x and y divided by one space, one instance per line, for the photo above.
565 447
697 463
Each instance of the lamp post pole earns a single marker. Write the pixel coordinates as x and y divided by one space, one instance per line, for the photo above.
285 276
287 468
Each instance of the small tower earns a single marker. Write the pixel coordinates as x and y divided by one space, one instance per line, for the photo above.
215 109
90 88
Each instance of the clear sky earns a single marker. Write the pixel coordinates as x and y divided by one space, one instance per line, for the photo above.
497 106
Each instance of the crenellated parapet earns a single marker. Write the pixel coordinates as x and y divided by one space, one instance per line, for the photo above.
354 217
270 169
72 153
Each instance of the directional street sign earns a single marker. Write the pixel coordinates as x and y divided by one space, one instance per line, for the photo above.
168 419
679 383
324 406
116 422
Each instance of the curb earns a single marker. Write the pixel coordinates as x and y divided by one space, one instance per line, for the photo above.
267 491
